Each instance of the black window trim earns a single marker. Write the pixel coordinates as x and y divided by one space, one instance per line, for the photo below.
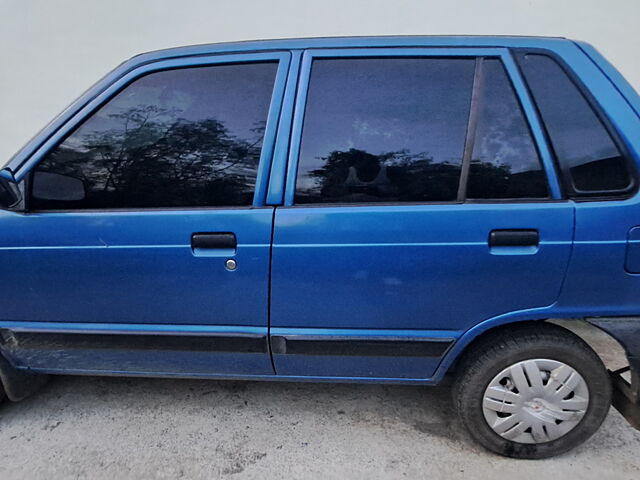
567 183
472 128
461 197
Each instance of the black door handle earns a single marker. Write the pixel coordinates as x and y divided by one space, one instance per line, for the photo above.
514 238
213 241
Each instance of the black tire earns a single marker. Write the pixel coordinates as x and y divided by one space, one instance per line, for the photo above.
496 351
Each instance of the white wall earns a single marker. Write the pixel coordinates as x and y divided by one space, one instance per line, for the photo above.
51 51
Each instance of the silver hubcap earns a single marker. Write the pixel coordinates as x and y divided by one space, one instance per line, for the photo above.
535 401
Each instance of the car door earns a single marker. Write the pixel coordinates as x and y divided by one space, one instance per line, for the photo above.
145 244
420 200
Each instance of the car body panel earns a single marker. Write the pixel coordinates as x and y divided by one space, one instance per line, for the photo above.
133 267
410 267
340 239
138 266
407 266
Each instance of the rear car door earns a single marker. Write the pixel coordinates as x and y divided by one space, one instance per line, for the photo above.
145 244
420 200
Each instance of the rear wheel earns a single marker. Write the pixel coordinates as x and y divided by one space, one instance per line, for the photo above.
532 391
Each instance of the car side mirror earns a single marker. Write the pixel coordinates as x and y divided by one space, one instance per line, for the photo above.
56 187
9 193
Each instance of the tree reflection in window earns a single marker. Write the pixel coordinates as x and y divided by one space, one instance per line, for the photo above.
394 130
177 138
384 130
358 176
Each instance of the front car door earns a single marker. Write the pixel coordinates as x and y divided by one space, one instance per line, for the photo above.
420 201
145 243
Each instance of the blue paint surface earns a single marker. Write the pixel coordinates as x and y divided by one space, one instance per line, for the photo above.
341 271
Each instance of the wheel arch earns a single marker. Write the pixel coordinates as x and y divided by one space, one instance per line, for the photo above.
505 322
615 340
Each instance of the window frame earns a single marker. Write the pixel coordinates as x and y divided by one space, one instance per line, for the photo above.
523 97
282 58
570 190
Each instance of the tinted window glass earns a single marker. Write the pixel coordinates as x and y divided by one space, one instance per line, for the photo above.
179 138
384 130
583 147
504 162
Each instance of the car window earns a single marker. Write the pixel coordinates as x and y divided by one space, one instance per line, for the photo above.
394 130
504 161
188 137
384 130
587 155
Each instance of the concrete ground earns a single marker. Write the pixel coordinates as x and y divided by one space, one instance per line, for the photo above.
117 428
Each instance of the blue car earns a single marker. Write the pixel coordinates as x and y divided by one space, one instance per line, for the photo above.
390 209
